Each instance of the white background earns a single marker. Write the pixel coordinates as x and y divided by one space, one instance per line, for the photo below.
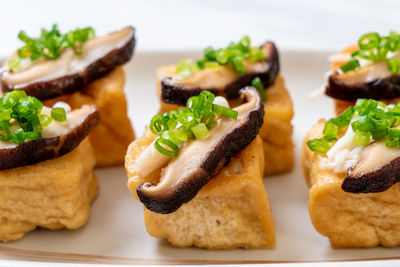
189 25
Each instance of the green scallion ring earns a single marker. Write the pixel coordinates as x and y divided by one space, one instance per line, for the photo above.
166 147
158 124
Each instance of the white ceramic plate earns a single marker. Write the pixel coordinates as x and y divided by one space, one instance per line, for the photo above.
116 233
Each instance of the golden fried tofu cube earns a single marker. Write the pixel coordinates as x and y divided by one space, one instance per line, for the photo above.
231 210
347 219
52 194
114 132
276 131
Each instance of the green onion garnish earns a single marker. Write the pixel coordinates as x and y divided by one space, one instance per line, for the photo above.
393 65
350 65
59 114
374 47
195 120
200 131
257 83
25 111
166 147
234 55
50 44
319 145
376 121
225 112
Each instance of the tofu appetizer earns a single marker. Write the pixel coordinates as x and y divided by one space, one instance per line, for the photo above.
79 68
224 72
46 165
352 164
198 172
369 69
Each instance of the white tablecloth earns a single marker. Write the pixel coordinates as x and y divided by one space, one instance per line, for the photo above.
176 25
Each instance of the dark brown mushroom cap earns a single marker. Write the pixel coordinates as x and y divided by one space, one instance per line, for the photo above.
76 80
34 151
174 93
381 88
185 175
374 175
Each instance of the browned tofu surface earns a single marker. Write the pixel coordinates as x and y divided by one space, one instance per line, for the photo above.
114 132
349 220
231 210
52 194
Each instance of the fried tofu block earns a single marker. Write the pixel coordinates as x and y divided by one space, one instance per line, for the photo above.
114 132
52 194
349 220
276 131
231 210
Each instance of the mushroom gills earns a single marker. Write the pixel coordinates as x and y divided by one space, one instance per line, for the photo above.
223 81
372 80
57 139
200 160
377 169
47 79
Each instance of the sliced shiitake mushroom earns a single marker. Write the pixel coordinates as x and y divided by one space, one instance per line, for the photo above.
200 160
377 169
371 81
57 139
223 81
70 73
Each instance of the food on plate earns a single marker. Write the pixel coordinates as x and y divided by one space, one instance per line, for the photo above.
351 163
46 165
198 171
224 72
369 69
79 68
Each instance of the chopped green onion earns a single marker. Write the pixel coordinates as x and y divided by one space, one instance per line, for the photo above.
330 131
375 122
50 44
393 139
18 137
59 114
319 145
237 63
195 120
374 47
45 120
158 124
393 65
350 65
257 83
225 112
361 138
18 109
166 147
200 131
234 55
344 119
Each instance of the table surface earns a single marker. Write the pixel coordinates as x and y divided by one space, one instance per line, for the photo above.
191 25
